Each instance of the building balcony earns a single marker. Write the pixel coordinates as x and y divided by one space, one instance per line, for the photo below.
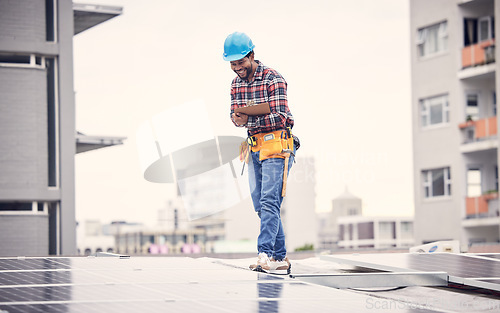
484 206
479 135
479 54
478 60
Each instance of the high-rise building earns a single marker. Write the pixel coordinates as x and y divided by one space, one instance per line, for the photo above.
37 123
454 113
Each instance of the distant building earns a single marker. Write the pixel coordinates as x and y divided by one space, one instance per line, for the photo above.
344 205
91 238
155 240
236 229
454 113
298 211
357 232
37 123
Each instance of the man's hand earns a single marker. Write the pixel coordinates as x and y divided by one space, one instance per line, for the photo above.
240 118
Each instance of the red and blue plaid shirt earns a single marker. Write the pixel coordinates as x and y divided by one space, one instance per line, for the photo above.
267 86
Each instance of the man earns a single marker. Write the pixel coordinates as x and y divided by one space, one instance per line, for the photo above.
259 103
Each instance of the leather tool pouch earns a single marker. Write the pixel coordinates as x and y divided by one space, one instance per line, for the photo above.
271 147
277 144
274 144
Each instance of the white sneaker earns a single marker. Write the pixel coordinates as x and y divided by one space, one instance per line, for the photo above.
281 267
263 263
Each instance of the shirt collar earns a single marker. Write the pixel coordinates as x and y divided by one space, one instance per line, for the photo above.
258 72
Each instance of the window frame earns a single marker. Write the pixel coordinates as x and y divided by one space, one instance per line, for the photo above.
425 111
423 33
37 208
489 35
427 183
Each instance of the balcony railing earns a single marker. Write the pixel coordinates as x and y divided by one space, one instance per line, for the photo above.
480 129
479 54
483 206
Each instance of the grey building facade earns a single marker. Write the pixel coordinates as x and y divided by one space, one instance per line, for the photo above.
37 123
454 113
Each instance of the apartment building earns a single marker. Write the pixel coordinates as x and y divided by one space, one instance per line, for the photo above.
37 123
454 114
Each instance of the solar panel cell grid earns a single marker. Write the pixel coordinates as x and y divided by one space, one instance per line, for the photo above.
32 264
35 278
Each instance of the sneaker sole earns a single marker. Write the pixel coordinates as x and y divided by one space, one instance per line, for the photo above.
260 269
282 272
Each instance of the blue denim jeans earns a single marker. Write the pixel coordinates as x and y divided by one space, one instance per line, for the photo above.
266 183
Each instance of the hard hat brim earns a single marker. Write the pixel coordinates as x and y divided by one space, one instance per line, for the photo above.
233 57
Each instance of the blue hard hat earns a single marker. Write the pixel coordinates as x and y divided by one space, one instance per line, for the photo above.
237 46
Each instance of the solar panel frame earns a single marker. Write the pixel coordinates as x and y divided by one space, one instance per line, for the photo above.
462 269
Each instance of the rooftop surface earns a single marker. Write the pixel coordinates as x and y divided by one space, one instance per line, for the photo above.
186 284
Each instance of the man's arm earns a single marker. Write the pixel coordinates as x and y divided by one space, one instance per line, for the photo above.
238 121
278 105
258 109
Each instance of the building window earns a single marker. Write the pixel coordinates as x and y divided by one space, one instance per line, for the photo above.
472 107
52 124
496 178
22 60
494 103
366 231
387 230
406 230
16 206
437 182
473 182
432 39
477 30
486 28
50 20
435 110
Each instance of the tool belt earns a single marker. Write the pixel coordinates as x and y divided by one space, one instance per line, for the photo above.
276 144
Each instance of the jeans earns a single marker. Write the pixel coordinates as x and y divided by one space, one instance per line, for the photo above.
266 183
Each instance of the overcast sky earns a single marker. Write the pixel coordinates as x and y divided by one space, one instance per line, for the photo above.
347 64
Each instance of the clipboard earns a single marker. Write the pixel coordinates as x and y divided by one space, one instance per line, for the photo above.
258 109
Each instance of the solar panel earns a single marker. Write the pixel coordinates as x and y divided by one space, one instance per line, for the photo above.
164 284
462 269
492 256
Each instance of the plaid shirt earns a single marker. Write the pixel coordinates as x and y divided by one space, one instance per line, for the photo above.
267 86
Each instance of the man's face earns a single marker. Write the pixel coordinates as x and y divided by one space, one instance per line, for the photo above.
242 67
